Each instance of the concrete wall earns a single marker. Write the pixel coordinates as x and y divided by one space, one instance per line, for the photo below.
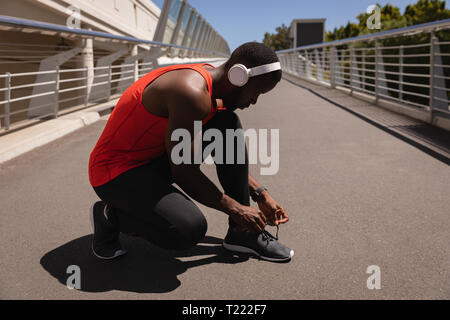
136 18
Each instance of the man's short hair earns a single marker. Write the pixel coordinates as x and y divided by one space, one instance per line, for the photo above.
253 54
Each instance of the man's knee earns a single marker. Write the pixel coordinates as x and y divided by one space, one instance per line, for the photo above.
193 230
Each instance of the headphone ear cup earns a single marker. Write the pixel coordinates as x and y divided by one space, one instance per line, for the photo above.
238 75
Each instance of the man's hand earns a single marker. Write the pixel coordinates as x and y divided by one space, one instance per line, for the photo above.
249 218
273 211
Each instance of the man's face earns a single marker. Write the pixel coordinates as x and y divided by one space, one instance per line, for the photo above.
243 97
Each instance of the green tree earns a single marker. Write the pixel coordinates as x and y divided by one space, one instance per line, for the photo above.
280 40
391 18
426 11
422 11
349 31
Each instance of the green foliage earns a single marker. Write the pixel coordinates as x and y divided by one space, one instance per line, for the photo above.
422 11
280 40
391 18
426 11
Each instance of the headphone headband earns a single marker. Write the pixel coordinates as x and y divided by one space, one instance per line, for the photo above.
256 71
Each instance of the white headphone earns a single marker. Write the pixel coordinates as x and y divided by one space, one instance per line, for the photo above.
238 74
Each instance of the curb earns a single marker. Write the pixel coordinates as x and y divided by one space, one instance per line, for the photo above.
22 141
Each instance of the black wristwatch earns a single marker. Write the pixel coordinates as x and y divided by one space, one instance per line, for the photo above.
257 193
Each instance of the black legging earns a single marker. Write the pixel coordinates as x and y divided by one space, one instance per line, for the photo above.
143 201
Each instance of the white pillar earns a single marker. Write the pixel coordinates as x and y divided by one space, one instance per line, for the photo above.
87 62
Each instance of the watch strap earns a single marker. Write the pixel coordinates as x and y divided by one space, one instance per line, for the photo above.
255 194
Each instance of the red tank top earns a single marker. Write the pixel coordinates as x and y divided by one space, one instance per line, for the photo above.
132 136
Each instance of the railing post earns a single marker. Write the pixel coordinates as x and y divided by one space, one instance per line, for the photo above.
400 72
56 96
86 90
108 94
333 66
352 59
296 63
377 76
308 64
8 98
363 71
317 62
432 52
290 62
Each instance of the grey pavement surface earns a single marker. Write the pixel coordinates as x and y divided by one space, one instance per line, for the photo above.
356 196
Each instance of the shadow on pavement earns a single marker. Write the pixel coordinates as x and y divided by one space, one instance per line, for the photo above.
144 269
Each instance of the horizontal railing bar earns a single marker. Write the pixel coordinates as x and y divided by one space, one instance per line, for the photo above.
73 70
32 73
405 65
415 55
414 84
363 90
72 89
22 110
72 79
406 92
422 106
121 72
32 85
443 100
32 96
406 74
440 88
71 98
441 77
99 83
405 46
126 78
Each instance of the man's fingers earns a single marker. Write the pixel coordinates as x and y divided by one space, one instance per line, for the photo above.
261 221
283 220
281 216
263 217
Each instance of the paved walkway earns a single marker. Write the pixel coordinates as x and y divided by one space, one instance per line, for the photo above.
356 195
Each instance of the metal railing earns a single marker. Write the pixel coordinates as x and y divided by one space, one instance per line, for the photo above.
61 85
410 65
56 92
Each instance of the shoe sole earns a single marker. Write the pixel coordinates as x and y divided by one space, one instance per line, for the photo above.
241 249
118 253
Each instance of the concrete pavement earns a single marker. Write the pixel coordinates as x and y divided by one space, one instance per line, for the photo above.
356 196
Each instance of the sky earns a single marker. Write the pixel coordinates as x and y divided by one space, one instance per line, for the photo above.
247 20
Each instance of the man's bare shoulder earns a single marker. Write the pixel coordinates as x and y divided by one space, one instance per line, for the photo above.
190 84
179 87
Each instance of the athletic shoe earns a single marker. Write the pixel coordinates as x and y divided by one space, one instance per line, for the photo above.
105 241
264 245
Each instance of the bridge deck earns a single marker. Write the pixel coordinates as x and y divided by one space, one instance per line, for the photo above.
357 195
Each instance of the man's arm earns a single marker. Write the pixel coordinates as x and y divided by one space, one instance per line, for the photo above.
254 185
273 211
186 106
